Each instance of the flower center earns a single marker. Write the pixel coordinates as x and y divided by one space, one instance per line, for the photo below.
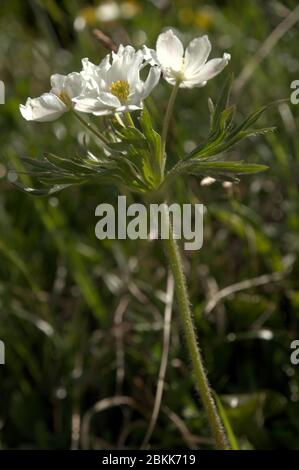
65 99
180 74
120 89
177 73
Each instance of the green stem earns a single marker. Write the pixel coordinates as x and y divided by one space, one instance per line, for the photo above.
119 120
191 339
91 128
129 120
166 123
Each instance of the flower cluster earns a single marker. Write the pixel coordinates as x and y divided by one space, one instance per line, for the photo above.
115 85
131 152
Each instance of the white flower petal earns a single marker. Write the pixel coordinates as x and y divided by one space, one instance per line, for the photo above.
95 75
103 112
107 99
88 68
104 64
196 55
171 79
104 103
73 84
86 104
170 51
120 51
128 108
133 76
151 81
129 53
192 84
57 82
117 70
121 109
123 50
126 66
209 70
47 107
149 56
70 85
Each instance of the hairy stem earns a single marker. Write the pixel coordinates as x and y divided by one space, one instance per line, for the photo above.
191 339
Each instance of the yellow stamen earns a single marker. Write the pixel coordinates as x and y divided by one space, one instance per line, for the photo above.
120 89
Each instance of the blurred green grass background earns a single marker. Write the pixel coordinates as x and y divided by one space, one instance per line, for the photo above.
82 320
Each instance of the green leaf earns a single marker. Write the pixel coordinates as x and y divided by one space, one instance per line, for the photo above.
227 425
154 143
69 165
42 191
224 134
219 167
222 104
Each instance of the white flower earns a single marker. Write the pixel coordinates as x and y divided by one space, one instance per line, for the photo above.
190 68
115 86
58 101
